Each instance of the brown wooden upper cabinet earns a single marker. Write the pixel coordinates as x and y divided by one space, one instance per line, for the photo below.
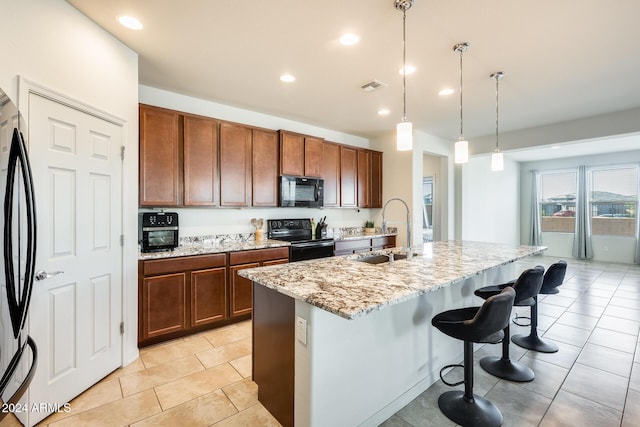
364 178
369 179
300 155
376 179
265 168
348 176
330 168
160 157
235 165
201 186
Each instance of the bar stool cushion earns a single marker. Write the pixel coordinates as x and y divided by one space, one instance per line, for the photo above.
554 277
478 324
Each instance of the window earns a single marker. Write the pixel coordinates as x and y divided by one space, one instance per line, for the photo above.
558 201
613 200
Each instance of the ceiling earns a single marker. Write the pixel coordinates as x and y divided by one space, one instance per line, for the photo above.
562 60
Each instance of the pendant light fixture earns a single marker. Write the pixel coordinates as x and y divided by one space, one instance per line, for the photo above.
497 159
462 145
404 135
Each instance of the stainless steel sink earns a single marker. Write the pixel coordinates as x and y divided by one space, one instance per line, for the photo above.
380 259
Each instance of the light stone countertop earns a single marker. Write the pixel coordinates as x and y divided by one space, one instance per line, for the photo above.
206 249
350 288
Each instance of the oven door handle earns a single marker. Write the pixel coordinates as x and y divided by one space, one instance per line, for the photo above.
312 244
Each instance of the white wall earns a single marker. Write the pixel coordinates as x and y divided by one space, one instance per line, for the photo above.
490 202
203 221
52 44
605 248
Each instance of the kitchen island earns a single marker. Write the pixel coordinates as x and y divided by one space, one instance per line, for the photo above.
353 341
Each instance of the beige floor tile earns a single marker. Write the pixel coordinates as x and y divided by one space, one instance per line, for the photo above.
119 413
228 334
242 394
11 421
225 353
160 374
132 367
202 411
255 416
243 366
196 385
100 394
153 356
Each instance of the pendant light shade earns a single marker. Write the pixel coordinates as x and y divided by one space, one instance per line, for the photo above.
404 130
461 151
497 159
404 136
462 145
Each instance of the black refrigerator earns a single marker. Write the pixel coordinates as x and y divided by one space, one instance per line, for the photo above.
18 351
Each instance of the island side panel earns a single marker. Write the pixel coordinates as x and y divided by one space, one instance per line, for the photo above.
273 351
362 371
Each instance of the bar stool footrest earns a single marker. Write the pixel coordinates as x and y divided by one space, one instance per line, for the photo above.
477 412
516 320
448 383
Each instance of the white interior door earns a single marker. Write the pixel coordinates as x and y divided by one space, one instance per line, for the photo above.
75 314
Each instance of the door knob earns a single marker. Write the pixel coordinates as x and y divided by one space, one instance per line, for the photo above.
41 275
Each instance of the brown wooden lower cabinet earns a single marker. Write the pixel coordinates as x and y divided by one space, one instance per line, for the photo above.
163 301
240 288
181 295
352 246
208 296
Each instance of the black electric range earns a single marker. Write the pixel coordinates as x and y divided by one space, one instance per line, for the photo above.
303 244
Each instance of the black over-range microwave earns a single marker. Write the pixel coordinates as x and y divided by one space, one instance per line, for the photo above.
301 192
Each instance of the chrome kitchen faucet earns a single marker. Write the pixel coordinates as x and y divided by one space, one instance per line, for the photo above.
384 223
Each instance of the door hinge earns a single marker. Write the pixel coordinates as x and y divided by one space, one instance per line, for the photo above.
122 240
121 328
122 152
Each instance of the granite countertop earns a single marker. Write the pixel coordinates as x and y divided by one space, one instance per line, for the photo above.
350 288
204 249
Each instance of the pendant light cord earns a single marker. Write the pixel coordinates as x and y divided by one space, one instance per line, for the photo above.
497 112
461 133
404 66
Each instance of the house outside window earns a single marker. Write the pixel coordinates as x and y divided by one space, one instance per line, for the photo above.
558 201
613 200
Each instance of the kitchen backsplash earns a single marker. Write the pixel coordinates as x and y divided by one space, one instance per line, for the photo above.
220 239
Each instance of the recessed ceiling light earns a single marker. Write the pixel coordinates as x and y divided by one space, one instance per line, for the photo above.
383 112
349 39
446 91
555 147
410 69
287 78
130 22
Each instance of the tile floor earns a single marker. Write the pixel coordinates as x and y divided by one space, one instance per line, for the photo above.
594 380
200 380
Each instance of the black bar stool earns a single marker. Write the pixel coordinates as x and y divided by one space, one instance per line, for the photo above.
483 324
552 279
526 287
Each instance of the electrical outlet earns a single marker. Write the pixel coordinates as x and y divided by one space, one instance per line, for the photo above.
301 330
